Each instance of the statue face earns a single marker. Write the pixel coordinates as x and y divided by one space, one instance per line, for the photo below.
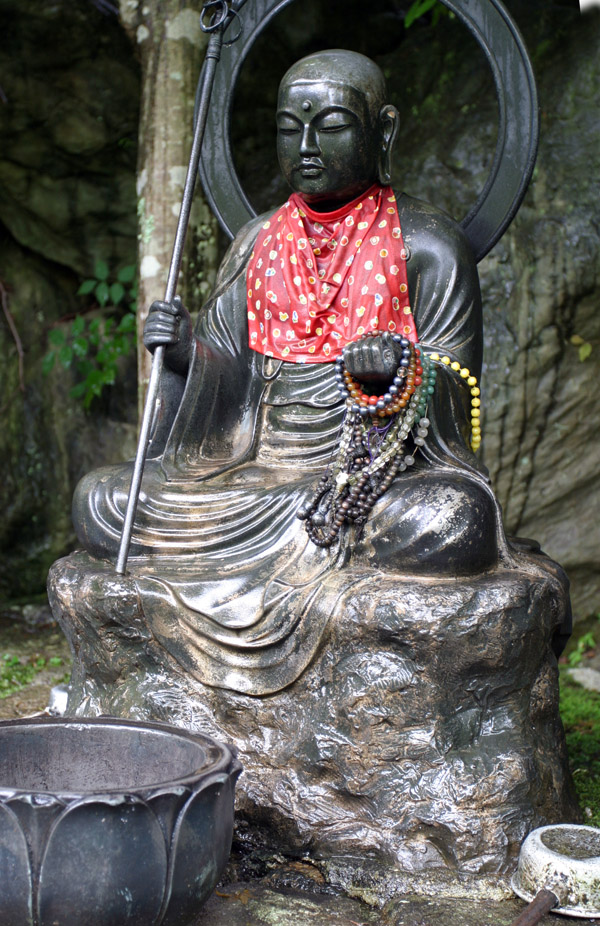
327 142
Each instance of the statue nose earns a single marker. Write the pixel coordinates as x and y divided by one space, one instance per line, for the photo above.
309 145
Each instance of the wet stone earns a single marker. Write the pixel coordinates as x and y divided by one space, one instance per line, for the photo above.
423 739
258 903
573 844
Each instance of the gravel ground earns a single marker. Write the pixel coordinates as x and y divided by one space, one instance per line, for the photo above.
32 636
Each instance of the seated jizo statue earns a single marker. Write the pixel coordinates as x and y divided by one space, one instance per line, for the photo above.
304 426
314 525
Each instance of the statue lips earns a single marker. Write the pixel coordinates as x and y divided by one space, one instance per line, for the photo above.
311 167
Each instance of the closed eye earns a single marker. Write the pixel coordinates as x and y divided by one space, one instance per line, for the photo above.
334 128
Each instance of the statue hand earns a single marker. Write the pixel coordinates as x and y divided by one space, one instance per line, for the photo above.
373 360
170 325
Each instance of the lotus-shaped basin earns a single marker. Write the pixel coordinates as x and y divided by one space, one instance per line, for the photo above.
110 822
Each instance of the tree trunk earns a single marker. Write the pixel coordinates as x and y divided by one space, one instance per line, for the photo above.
172 47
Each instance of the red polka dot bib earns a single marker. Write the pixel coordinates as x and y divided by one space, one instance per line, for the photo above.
317 281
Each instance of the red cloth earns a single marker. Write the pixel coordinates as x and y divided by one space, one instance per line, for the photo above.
317 281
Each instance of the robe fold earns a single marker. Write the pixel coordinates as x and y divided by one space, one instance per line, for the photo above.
229 581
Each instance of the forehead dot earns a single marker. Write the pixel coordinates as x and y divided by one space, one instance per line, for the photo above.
306 105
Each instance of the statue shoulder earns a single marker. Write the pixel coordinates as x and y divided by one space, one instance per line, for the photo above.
431 234
239 250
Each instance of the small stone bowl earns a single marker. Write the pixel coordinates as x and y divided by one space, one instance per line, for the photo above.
565 859
110 822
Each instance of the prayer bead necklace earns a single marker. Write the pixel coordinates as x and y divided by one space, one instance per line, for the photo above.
373 441
373 445
408 377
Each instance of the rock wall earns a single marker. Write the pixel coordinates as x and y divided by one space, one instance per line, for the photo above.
68 122
542 289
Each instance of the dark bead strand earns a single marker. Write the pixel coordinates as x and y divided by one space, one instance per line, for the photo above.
347 493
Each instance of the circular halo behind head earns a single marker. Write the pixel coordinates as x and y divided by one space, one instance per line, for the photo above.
518 122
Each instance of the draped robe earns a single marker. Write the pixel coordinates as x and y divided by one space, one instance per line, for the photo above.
227 577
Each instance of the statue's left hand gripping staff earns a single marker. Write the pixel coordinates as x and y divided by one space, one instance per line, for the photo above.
215 18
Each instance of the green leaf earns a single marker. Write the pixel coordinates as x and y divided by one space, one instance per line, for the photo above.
84 367
48 362
584 351
438 12
56 337
127 323
93 379
94 332
117 291
55 661
584 643
102 293
65 355
86 287
126 274
101 270
121 345
80 346
78 390
109 324
416 10
78 325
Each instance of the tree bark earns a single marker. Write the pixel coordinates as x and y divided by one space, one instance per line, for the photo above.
171 46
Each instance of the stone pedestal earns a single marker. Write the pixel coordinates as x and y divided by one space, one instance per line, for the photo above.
424 736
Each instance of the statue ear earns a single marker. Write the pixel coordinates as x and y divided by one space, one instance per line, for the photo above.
388 122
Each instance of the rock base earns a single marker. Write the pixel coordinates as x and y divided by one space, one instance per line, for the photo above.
423 737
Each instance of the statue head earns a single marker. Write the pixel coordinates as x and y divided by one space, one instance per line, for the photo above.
334 128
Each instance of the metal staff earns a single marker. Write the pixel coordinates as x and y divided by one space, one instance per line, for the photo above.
221 15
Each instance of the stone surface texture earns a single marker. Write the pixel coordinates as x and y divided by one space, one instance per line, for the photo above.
292 895
68 121
586 677
424 736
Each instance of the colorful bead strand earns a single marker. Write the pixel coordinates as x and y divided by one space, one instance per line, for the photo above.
380 438
471 380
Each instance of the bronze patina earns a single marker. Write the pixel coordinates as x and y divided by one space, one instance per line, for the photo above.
392 693
242 438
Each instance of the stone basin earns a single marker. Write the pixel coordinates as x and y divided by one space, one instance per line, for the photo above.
111 822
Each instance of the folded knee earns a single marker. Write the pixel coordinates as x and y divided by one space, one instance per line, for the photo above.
442 526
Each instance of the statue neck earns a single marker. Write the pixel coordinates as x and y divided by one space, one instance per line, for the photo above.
339 213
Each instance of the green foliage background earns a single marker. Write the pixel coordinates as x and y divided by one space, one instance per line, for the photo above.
93 345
